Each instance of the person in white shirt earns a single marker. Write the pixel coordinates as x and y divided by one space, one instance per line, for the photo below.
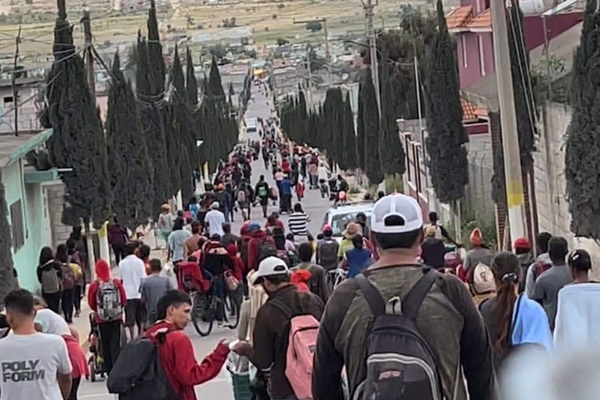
33 365
215 220
131 271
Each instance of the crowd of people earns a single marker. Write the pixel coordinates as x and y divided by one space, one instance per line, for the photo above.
393 307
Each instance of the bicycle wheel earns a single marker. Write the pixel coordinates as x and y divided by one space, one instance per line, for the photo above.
202 314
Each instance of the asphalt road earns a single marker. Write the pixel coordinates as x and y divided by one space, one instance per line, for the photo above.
220 387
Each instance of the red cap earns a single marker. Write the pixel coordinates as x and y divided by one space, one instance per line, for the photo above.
522 243
327 227
476 237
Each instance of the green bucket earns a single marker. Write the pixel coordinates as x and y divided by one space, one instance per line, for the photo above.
241 386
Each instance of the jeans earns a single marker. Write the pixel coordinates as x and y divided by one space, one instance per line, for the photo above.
53 301
228 214
74 388
77 295
67 304
110 335
219 291
119 250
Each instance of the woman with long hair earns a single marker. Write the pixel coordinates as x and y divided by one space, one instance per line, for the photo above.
513 320
49 275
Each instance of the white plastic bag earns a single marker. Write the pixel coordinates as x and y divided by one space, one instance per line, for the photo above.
237 364
169 271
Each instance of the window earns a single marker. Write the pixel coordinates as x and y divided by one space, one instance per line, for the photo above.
17 225
463 42
8 100
481 54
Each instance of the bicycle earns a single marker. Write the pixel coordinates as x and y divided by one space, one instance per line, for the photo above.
204 311
335 277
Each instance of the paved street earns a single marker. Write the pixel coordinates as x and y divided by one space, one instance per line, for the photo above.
220 388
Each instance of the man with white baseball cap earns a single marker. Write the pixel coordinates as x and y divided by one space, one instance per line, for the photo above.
270 338
442 307
214 220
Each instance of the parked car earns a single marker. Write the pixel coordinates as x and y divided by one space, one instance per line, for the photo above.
339 215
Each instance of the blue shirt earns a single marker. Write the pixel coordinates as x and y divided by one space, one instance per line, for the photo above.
358 260
286 186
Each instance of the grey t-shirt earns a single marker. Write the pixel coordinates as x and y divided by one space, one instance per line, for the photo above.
29 365
476 256
152 289
547 287
177 241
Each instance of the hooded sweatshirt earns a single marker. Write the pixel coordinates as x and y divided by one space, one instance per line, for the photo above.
254 248
102 270
179 362
236 261
215 258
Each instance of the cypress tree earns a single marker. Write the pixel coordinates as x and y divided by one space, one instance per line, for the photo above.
6 261
360 129
78 141
191 83
446 135
173 149
127 150
349 143
215 86
583 133
390 148
302 118
372 127
152 127
157 66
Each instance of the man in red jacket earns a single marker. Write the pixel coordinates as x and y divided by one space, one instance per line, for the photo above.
177 352
257 237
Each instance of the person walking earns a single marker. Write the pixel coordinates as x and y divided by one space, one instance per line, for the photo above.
117 237
69 274
153 288
318 276
176 241
443 311
215 220
49 274
165 223
132 271
107 299
263 192
514 321
298 221
285 193
358 258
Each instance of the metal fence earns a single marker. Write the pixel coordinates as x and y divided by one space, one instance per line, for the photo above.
478 193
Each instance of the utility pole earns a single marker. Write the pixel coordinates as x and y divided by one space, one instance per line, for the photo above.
508 119
309 83
369 6
89 55
15 91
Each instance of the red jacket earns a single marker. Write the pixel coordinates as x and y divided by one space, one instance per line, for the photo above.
179 362
254 246
236 261
103 275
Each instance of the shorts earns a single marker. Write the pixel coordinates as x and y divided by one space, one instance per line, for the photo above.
135 313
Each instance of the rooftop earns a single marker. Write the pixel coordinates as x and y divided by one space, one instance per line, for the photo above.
459 18
14 147
482 21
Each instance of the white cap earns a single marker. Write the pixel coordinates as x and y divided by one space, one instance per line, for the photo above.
396 205
215 205
271 266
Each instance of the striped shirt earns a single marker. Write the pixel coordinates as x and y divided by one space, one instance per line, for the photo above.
298 223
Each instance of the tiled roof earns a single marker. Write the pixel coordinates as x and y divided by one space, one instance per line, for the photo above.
483 20
468 110
459 17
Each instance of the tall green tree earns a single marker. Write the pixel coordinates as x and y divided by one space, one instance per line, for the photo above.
447 138
391 151
215 85
372 130
360 128
6 261
127 151
78 141
349 143
583 133
151 117
191 83
158 70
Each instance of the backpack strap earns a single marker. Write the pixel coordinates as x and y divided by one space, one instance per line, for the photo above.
372 295
281 306
411 302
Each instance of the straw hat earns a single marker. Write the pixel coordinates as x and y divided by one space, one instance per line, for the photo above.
352 229
165 207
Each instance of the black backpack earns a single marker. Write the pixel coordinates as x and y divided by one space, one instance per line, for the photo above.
400 363
138 373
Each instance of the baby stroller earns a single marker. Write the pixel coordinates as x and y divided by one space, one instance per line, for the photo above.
95 362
